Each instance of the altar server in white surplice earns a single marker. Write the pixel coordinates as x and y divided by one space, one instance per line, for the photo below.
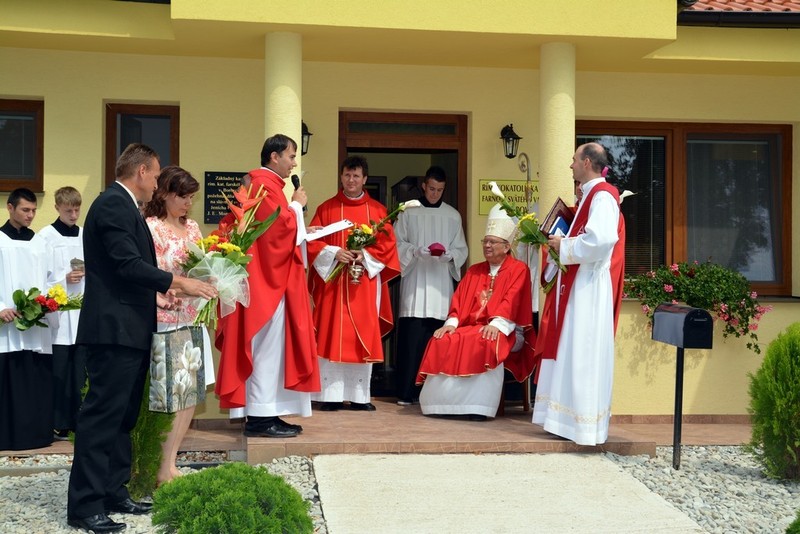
432 249
573 395
65 239
26 364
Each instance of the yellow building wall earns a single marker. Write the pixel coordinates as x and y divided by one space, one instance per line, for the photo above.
222 127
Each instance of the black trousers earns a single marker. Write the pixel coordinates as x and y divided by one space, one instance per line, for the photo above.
69 376
102 463
26 399
413 334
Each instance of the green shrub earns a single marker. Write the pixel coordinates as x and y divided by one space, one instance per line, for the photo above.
794 528
233 498
775 407
146 438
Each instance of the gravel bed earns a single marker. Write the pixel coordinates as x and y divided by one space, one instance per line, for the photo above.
37 503
723 489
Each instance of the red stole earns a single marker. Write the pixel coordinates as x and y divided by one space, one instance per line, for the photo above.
552 317
276 271
464 352
348 323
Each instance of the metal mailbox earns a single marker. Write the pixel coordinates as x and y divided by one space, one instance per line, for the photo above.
686 328
683 326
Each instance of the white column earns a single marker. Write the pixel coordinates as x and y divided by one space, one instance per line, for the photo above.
557 123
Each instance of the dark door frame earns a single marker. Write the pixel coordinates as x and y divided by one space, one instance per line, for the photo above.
350 140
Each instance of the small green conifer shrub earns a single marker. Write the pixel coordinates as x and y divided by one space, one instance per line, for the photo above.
775 407
233 498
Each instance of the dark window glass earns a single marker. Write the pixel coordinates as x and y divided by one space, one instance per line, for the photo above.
639 165
402 128
733 209
21 144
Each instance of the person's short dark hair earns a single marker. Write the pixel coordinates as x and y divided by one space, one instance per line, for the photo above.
134 155
277 143
173 179
354 162
435 172
597 155
21 193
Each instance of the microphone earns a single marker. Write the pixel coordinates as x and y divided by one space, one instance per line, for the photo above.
296 183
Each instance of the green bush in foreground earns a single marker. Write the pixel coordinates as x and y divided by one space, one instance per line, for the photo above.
233 498
794 528
146 438
775 407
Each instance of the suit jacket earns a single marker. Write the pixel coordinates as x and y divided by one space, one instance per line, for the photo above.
119 303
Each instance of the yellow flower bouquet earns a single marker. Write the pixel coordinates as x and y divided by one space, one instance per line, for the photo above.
221 257
33 305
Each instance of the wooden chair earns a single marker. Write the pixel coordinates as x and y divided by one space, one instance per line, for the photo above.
526 396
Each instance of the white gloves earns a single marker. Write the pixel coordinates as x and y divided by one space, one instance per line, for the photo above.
445 257
422 252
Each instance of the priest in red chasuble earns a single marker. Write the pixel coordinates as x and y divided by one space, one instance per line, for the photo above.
268 365
350 318
489 328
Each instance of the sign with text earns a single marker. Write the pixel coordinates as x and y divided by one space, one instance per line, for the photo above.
514 191
215 207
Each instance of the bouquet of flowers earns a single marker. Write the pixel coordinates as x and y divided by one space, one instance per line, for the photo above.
528 229
709 286
364 235
221 258
33 305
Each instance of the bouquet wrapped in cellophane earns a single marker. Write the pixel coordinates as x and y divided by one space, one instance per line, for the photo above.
221 258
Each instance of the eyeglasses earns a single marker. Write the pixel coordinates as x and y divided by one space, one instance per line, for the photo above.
493 242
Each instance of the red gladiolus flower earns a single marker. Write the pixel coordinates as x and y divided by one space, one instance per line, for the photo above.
41 299
52 305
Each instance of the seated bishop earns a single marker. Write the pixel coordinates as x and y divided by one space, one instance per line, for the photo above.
488 330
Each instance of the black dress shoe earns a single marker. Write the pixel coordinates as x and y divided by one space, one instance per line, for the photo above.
129 506
476 417
363 406
96 523
290 426
275 430
330 406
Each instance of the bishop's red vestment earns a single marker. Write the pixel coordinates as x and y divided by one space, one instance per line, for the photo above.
463 352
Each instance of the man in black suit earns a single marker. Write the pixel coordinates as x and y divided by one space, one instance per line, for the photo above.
117 321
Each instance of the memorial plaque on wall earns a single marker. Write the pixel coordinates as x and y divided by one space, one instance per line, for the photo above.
217 183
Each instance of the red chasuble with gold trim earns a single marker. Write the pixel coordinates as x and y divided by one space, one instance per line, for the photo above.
346 316
476 301
276 271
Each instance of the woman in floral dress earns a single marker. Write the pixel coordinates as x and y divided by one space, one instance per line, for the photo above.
167 217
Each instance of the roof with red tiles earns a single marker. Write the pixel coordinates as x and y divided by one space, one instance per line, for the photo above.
747 6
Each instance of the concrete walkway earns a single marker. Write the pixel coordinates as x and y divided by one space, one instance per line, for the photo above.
489 493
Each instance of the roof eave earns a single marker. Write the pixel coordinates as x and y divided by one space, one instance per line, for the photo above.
740 19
